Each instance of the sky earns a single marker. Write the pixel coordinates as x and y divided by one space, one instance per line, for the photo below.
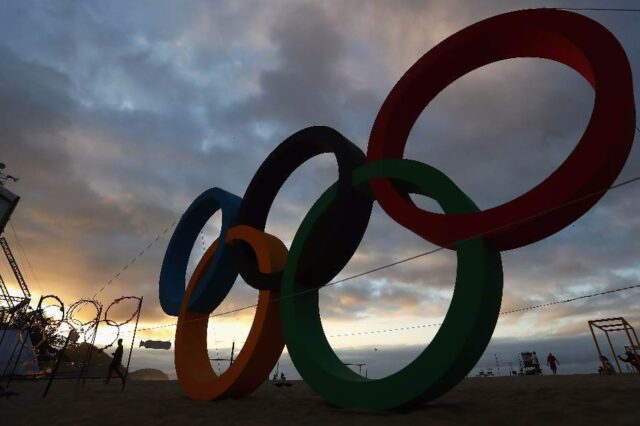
116 115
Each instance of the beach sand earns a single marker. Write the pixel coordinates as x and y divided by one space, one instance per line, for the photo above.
549 400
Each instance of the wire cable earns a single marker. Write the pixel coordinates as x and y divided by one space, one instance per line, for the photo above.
408 259
528 308
135 258
417 256
131 262
598 9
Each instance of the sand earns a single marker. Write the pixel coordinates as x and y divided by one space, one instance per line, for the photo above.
548 400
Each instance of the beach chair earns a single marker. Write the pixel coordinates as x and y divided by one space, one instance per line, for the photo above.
488 373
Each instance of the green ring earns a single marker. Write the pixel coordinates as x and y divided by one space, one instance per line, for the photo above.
460 341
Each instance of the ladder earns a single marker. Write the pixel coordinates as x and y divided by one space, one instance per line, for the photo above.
5 294
14 267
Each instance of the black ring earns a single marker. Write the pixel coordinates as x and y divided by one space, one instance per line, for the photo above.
342 228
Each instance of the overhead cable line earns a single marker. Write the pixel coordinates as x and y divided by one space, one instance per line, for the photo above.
131 262
528 308
26 258
598 9
408 259
512 311
417 256
134 259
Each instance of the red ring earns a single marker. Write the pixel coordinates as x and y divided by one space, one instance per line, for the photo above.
592 167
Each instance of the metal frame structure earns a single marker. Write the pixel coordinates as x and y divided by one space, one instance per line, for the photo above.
11 200
610 325
92 330
135 330
10 304
527 365
86 331
24 331
230 359
14 267
359 365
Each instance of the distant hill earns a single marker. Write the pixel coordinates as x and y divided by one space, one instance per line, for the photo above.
77 353
75 356
148 374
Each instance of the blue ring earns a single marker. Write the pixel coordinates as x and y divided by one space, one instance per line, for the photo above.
220 274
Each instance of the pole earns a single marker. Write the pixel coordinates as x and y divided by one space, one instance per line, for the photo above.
58 362
89 353
135 330
6 366
636 336
497 363
604 366
615 356
633 346
5 325
233 346
15 364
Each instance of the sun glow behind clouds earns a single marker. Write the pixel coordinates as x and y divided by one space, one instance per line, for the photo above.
123 118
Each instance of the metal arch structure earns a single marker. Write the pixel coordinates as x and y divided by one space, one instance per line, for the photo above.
8 302
14 267
611 325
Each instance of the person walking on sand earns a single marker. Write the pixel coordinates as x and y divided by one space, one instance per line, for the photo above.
553 363
115 363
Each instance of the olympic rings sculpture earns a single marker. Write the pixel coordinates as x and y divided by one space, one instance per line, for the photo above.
288 281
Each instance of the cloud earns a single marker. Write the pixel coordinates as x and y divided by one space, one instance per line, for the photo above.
116 121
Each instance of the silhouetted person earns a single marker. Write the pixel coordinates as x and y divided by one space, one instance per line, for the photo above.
632 359
553 363
115 362
282 377
607 367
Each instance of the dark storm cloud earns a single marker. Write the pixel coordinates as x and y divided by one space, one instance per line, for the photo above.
118 115
307 86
